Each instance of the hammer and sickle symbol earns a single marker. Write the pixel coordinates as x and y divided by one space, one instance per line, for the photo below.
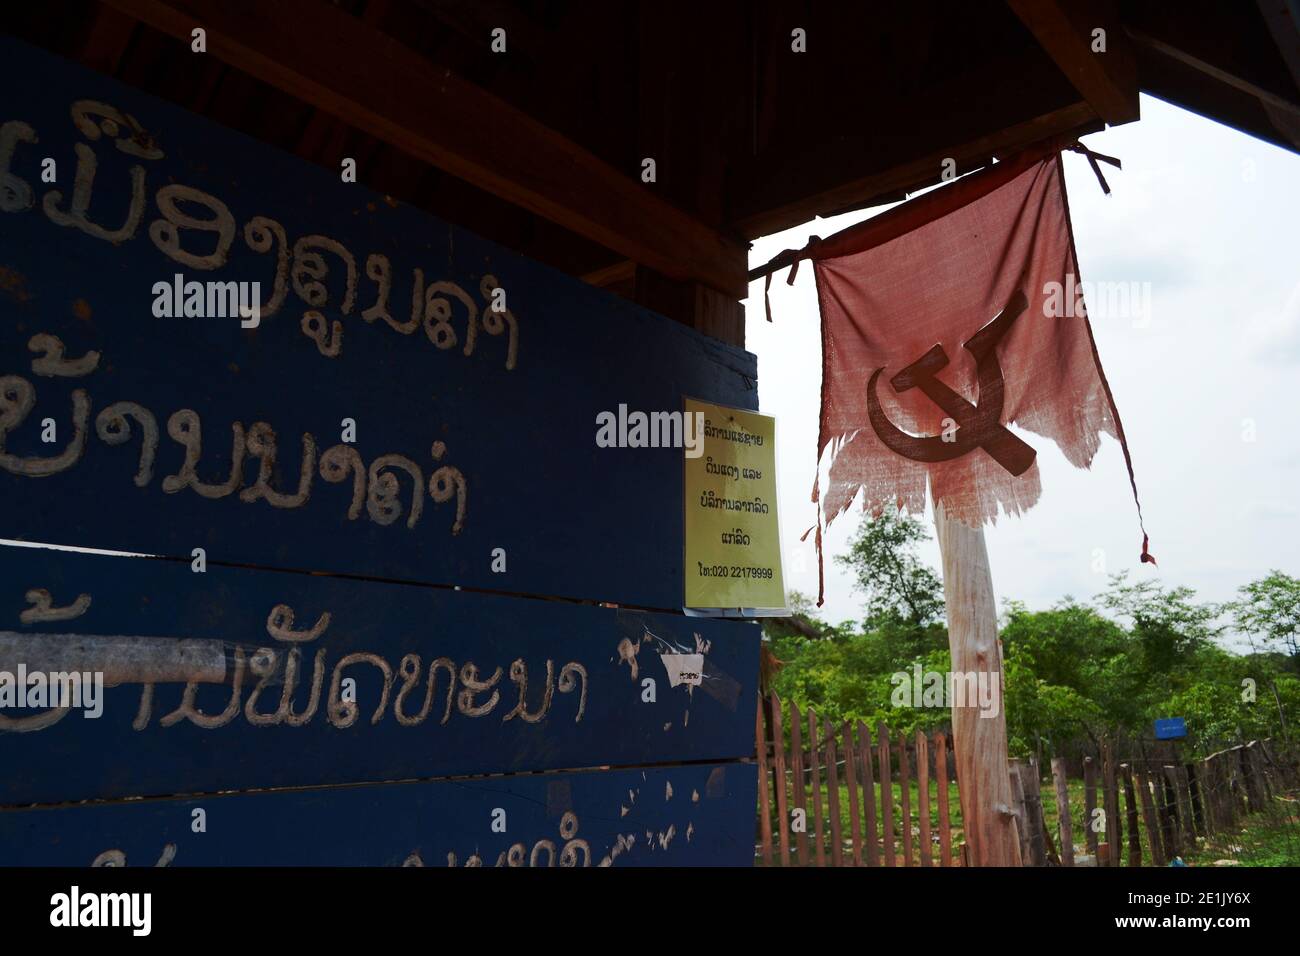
978 426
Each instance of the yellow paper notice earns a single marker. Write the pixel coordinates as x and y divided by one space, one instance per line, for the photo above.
733 542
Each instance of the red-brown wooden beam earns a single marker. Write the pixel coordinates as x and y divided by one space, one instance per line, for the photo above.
1220 75
1064 29
873 186
106 40
333 61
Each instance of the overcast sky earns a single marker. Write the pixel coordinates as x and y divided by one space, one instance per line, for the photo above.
1207 379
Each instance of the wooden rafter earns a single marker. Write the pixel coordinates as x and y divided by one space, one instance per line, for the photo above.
1283 24
877 185
323 56
1218 74
107 39
1107 80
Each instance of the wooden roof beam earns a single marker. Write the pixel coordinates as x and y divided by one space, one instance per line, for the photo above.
1283 24
107 39
1064 29
1218 74
875 186
474 20
321 55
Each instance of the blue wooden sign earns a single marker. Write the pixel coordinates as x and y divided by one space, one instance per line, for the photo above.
1171 728
412 400
263 679
389 614
665 816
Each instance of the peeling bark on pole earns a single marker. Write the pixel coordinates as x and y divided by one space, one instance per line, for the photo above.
979 742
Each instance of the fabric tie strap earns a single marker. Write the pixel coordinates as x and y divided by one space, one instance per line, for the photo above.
789 280
1093 161
789 257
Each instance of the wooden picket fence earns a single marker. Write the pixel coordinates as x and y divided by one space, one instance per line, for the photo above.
1158 802
800 757
903 810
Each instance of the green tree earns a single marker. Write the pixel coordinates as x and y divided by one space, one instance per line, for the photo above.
1063 643
801 604
1168 624
1036 708
1270 608
1069 673
898 586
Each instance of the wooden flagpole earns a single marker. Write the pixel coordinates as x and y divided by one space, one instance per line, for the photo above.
979 739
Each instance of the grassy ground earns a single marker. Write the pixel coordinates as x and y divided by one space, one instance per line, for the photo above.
1262 842
1271 838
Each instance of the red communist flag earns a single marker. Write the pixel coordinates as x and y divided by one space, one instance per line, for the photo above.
945 320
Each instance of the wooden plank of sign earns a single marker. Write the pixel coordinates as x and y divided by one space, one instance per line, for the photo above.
695 814
214 678
382 418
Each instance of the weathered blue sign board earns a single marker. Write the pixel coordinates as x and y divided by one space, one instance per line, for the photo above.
267 679
666 816
361 444
1171 728
474 429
